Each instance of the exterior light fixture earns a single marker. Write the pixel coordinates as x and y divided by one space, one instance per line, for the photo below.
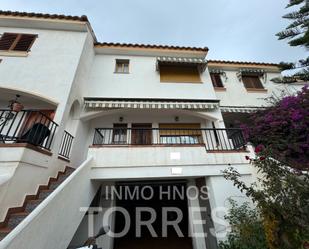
120 119
16 106
176 119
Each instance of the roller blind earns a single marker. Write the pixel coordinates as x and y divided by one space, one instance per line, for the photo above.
176 129
179 73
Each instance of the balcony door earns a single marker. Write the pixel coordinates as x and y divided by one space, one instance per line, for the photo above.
141 134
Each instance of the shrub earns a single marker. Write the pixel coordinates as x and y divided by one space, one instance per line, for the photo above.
247 230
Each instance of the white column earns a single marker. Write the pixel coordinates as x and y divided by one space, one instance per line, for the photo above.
196 230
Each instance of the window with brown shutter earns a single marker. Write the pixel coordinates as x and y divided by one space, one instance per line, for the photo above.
216 80
16 42
252 82
180 134
180 74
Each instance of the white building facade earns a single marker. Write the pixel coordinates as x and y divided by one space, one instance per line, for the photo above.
113 116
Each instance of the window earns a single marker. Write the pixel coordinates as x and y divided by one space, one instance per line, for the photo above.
216 80
16 42
122 66
179 73
252 82
180 134
120 134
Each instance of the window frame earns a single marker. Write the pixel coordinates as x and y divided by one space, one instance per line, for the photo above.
123 62
15 42
255 87
214 82
120 133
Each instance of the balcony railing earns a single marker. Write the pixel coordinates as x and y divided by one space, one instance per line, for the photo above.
212 139
27 126
66 145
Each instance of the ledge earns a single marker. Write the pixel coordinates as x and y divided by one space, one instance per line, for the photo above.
228 151
145 145
256 90
63 159
28 146
220 89
181 82
13 53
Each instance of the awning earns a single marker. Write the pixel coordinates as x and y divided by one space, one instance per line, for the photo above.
214 70
151 104
201 63
251 72
240 109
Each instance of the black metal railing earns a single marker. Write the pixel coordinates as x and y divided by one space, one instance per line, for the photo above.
212 139
27 126
66 145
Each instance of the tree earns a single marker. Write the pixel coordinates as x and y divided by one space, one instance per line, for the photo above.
298 35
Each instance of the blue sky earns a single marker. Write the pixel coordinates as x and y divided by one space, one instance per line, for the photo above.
232 29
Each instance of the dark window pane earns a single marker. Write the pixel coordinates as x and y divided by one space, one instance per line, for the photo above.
216 80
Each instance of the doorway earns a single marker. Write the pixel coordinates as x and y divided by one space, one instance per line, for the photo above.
141 134
164 196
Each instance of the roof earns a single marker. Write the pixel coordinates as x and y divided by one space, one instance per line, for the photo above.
82 18
243 63
131 45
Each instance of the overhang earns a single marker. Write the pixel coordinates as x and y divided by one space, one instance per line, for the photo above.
240 109
113 103
200 63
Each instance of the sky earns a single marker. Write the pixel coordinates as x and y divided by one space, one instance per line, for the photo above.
232 29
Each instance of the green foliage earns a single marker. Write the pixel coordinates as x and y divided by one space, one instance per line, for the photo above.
297 31
247 230
282 199
298 34
286 65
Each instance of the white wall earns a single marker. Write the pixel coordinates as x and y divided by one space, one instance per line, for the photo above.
53 223
143 81
219 192
237 95
49 68
48 72
22 171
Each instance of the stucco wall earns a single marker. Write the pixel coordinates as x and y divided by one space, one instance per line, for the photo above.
143 81
237 95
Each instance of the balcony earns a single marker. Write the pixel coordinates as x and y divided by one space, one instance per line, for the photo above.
214 140
27 126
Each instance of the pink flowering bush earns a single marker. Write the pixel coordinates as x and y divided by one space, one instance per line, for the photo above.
283 128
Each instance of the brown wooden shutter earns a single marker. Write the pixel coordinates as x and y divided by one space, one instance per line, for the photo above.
24 43
7 40
257 82
252 82
216 80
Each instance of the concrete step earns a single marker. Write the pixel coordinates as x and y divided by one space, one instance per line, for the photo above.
4 232
32 204
16 218
44 193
